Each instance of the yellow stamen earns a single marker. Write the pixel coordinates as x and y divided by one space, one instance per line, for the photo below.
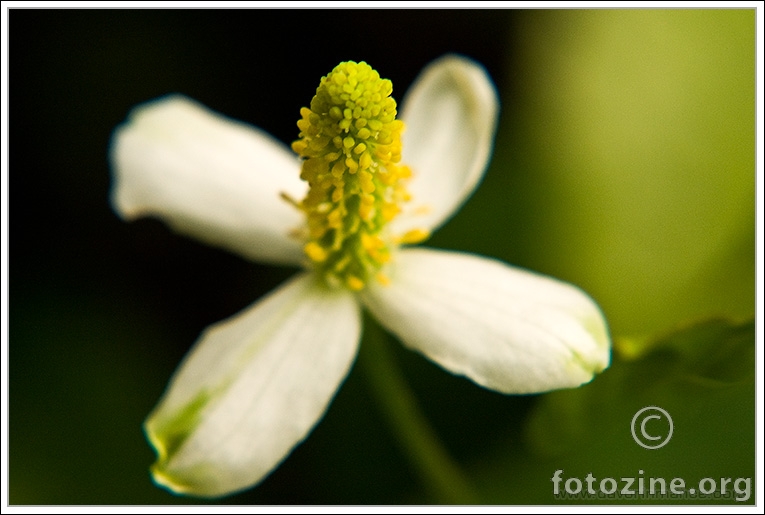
414 236
354 283
315 252
382 279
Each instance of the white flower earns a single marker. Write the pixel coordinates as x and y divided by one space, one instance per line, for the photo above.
253 386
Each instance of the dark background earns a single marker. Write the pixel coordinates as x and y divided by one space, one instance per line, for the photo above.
101 311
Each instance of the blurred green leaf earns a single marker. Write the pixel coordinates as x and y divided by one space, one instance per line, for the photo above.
712 353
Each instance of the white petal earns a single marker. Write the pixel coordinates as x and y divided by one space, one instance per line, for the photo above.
506 329
252 388
451 117
208 177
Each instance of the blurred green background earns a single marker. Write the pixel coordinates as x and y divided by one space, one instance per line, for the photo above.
624 163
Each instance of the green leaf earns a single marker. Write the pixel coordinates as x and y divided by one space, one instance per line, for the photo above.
713 353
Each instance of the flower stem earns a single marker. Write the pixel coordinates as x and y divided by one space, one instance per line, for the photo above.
437 469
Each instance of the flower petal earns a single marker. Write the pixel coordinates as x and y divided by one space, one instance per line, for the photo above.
208 177
451 116
252 388
506 329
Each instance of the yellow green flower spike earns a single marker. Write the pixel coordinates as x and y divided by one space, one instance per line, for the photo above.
351 142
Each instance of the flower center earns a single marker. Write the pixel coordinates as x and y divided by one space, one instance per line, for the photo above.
351 142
